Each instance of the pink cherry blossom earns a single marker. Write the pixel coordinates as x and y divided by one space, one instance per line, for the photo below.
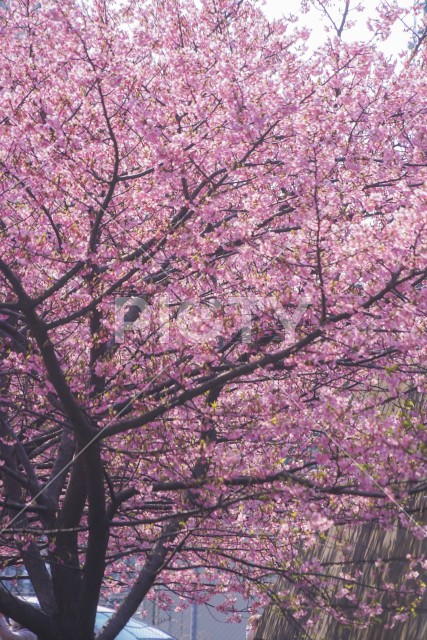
264 209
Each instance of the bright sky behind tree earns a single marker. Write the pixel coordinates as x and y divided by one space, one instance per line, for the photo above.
397 41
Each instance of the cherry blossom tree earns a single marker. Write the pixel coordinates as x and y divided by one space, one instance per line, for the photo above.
213 265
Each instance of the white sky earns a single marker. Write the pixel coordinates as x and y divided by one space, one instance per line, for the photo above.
397 41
